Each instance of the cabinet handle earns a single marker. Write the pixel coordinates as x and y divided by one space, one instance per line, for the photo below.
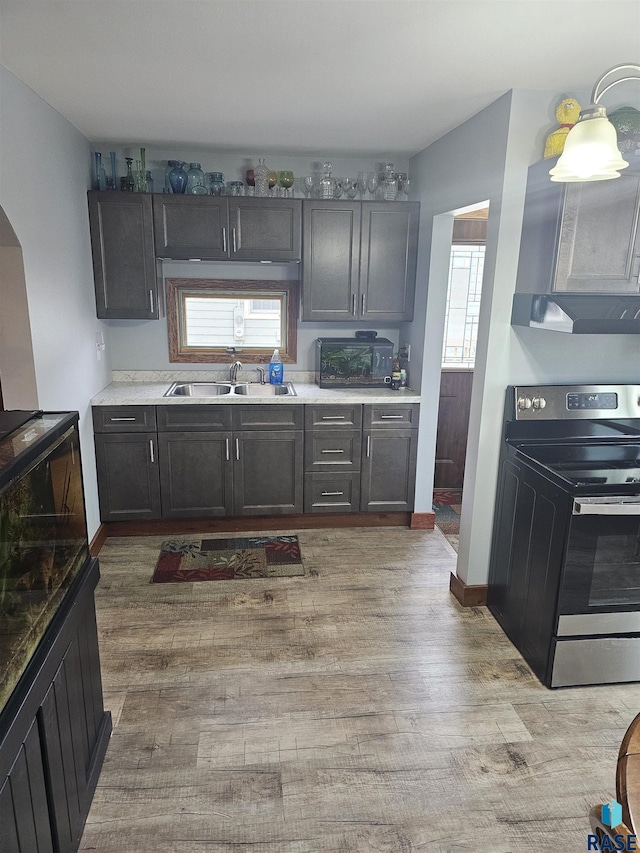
151 301
353 305
368 446
227 451
224 239
332 451
391 417
122 419
362 306
333 417
331 494
73 456
238 449
151 453
233 237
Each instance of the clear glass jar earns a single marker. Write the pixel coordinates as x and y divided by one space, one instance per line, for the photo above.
195 180
327 183
216 183
389 184
235 188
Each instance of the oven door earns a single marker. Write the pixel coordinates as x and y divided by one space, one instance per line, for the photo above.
600 589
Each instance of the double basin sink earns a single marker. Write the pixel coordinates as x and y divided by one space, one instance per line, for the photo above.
216 389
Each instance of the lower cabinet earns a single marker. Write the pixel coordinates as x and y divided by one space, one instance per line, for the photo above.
54 733
128 476
221 460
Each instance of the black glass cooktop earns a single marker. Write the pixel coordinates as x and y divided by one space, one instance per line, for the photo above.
589 464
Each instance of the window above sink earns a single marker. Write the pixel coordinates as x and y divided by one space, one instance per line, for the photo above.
213 320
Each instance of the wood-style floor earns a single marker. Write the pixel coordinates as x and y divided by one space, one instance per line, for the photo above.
357 709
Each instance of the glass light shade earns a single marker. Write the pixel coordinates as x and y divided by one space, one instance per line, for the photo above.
590 150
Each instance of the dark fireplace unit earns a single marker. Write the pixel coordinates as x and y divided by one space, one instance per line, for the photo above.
54 730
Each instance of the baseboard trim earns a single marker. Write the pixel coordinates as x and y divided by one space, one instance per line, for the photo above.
467 596
423 520
95 546
169 527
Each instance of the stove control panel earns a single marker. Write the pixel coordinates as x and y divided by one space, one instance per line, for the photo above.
574 402
592 401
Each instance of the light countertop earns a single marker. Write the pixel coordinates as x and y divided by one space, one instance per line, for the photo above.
149 391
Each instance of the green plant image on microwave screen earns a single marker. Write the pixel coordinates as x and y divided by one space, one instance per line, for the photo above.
347 363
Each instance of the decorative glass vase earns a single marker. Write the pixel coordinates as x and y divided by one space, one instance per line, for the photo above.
114 178
178 177
261 179
195 180
327 183
129 181
390 184
100 181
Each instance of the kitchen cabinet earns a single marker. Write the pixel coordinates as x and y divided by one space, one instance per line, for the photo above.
214 460
359 260
579 237
227 228
124 263
333 441
389 450
126 456
230 460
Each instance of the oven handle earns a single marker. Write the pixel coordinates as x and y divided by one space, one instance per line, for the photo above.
613 506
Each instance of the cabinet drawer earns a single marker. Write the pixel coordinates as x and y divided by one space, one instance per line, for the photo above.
391 417
333 417
332 450
267 417
190 418
124 418
335 492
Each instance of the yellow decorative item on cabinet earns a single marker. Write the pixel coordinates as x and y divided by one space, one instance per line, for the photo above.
567 113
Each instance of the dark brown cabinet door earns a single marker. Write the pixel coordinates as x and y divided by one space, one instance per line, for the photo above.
453 427
264 229
128 478
196 474
388 257
388 470
268 472
189 226
581 237
124 265
331 260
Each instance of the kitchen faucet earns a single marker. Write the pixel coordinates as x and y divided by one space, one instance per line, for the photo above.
233 371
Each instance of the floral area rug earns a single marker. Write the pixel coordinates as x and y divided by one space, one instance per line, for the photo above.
228 559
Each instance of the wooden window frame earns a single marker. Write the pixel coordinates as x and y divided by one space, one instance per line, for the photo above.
175 287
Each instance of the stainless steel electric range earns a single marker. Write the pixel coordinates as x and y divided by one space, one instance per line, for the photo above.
564 579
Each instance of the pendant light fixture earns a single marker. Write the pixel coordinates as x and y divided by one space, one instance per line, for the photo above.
591 149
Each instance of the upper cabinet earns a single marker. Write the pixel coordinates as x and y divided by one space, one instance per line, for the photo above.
579 237
124 265
227 228
359 260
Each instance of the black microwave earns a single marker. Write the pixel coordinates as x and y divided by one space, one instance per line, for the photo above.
353 363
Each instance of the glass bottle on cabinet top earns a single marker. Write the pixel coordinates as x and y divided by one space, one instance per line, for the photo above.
327 183
129 181
390 184
100 180
261 178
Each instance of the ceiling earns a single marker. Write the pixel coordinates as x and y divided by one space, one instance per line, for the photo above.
352 77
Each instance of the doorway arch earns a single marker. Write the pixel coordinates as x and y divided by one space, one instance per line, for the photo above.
18 387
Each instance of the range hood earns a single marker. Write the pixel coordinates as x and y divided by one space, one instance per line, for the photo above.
577 313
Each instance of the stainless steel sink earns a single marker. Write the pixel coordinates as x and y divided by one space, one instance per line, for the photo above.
216 389
257 390
199 389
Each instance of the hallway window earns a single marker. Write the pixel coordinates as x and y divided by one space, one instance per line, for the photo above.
463 305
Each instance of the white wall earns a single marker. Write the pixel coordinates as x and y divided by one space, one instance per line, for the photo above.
487 159
44 175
